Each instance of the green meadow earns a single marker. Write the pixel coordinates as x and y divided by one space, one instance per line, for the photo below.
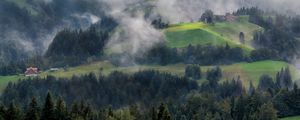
247 71
220 33
291 118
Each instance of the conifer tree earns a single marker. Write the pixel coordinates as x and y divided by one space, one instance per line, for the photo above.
61 110
13 112
48 112
267 112
163 113
33 112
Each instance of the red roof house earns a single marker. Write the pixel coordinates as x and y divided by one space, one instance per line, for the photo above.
31 72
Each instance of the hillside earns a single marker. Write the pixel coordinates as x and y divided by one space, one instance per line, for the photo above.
181 35
247 71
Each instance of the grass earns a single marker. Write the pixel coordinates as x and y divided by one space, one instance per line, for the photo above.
291 118
246 71
231 30
181 35
4 80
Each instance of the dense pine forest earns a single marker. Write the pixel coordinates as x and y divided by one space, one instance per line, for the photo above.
151 95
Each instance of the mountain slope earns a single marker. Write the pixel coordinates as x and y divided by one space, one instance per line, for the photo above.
181 35
247 71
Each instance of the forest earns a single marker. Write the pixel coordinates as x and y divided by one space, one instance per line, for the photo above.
168 96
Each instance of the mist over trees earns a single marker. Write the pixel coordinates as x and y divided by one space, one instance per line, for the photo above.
73 47
27 30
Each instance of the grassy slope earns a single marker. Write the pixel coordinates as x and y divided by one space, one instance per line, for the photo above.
291 118
247 71
231 30
181 35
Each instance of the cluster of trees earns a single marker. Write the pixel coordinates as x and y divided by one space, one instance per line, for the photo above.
201 55
279 37
193 72
159 24
12 68
283 80
122 96
57 110
208 17
73 47
278 40
248 11
117 89
207 55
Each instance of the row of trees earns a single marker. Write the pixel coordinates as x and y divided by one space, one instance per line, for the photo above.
202 55
205 55
117 89
58 110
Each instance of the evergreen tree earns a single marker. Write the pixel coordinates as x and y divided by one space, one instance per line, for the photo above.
284 79
251 90
163 113
153 114
287 81
75 111
265 83
2 112
48 112
242 37
193 71
213 76
13 112
61 110
267 112
33 112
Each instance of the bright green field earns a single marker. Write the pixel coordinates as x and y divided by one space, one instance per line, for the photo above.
181 35
291 118
247 71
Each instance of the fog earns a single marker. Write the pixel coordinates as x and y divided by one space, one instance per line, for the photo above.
135 34
190 10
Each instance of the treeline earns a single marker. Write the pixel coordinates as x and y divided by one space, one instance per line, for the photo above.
184 99
204 55
279 40
117 89
57 110
280 34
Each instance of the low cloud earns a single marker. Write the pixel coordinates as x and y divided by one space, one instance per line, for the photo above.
135 34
